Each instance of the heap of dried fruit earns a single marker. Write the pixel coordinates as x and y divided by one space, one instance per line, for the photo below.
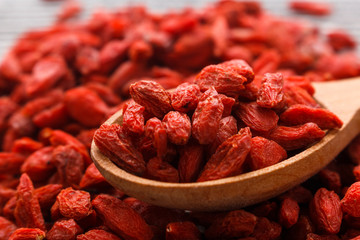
57 85
203 130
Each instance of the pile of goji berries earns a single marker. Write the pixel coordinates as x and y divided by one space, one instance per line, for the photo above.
59 84
194 128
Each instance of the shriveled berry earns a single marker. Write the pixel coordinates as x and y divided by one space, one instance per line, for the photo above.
229 157
325 211
152 96
291 138
300 114
160 170
207 116
113 143
257 118
121 218
264 153
227 78
178 127
74 204
185 97
235 224
271 90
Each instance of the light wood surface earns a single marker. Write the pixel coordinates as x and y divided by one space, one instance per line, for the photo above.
18 16
341 97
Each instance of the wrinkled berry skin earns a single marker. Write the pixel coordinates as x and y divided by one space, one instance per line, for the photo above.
152 96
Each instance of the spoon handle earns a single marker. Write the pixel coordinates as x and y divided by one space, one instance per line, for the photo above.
340 97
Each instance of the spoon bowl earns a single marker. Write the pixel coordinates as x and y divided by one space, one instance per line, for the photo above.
340 97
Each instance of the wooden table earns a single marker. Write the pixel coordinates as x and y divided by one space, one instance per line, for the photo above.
17 16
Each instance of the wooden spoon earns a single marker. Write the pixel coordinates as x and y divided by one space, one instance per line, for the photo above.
341 97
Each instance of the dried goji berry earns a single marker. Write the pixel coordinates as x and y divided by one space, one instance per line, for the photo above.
46 73
313 236
38 166
87 60
7 107
125 72
229 157
264 153
266 229
190 162
300 81
185 97
300 194
92 178
227 128
267 62
207 116
6 228
297 95
46 195
112 142
70 165
158 169
156 131
69 10
227 78
237 52
10 163
325 211
340 40
97 234
314 8
26 146
289 212
74 204
140 51
331 179
27 233
86 137
267 209
220 31
291 138
55 211
112 53
58 137
152 96
21 124
191 50
8 209
85 106
157 217
54 117
39 104
235 224
118 216
300 114
64 230
228 103
271 91
133 118
5 194
182 230
300 229
10 68
257 118
178 127
105 93
348 203
27 211
178 24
